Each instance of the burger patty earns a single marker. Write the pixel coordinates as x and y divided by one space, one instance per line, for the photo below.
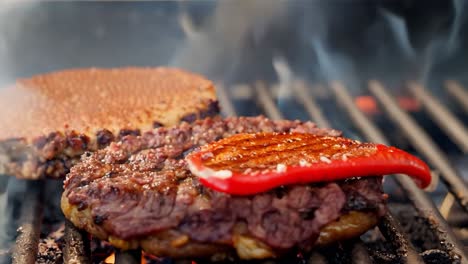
49 120
140 189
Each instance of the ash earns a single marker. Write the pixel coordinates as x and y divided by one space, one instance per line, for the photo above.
50 247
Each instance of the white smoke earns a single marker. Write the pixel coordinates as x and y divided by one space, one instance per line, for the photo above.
439 48
14 15
399 30
214 49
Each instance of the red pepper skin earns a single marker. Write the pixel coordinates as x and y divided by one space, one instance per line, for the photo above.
220 165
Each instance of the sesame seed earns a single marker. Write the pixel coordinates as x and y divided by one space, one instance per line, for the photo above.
304 163
281 168
325 159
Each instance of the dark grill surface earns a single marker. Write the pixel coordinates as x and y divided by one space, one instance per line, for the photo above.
414 231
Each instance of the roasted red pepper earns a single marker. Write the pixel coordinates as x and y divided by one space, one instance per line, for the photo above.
247 164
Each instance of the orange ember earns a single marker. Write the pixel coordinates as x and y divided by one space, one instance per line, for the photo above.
369 105
111 258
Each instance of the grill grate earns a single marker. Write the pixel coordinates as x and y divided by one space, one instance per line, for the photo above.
77 246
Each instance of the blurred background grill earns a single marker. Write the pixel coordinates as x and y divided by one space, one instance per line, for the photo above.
383 71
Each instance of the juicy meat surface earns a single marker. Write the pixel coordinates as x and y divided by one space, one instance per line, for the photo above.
141 186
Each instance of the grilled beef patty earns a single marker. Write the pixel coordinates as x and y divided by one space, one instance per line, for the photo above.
139 192
48 121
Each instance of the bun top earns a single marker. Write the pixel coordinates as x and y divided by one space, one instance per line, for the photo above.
87 100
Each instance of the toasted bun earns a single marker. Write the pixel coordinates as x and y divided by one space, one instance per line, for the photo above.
86 100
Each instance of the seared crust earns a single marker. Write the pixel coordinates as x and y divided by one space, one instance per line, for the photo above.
139 191
49 120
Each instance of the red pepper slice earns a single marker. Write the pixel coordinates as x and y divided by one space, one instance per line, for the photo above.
246 164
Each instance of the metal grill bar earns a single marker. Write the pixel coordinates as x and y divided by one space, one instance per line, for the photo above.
26 246
422 142
266 101
444 118
223 97
421 201
458 93
303 96
76 248
391 231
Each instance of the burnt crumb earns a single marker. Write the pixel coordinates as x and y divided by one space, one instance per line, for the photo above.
88 153
437 256
99 219
213 109
54 168
280 192
126 132
83 183
104 138
77 142
114 190
81 205
50 247
356 202
307 214
157 124
110 174
190 118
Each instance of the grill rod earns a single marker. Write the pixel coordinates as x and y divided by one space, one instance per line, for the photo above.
26 247
266 101
223 97
303 96
390 228
421 201
422 142
76 247
458 93
444 118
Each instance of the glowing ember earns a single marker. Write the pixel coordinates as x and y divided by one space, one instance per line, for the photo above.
110 259
145 259
368 104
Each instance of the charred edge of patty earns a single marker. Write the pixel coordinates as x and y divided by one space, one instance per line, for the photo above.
355 219
173 243
52 155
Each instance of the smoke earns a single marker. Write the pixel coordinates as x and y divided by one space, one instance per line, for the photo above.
453 39
215 48
400 32
392 50
14 16
334 66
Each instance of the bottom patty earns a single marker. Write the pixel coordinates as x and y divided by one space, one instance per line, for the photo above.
140 193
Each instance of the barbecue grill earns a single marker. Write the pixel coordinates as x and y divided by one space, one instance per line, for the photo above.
422 226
